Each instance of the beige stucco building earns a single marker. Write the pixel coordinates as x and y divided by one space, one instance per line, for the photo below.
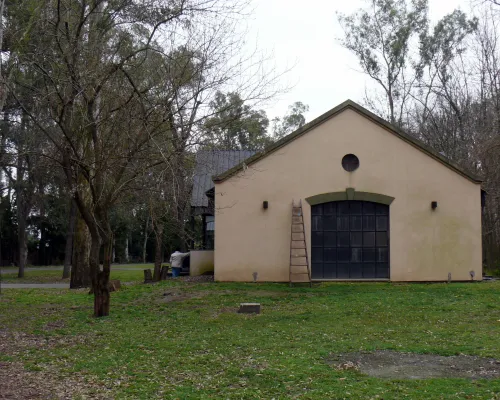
377 205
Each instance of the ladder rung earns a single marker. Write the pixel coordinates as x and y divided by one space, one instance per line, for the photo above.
301 269
298 228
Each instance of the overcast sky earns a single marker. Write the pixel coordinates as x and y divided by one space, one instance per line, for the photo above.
305 34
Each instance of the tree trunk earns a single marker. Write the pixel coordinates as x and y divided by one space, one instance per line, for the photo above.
100 279
97 223
181 202
42 250
164 273
22 238
80 271
145 243
391 105
68 251
1 217
158 251
127 258
22 216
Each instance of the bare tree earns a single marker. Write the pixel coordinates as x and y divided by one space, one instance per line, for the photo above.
487 123
97 116
451 94
122 87
381 38
23 167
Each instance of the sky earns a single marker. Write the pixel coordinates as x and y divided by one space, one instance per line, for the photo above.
304 35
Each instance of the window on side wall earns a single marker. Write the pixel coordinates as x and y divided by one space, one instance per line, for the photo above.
209 232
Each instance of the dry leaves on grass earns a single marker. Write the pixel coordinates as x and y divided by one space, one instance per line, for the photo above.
14 343
17 382
349 365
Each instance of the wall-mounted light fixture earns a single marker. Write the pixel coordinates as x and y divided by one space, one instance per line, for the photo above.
265 205
434 205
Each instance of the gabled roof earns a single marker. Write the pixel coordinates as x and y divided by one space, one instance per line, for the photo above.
210 163
349 104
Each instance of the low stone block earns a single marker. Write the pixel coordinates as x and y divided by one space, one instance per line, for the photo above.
249 308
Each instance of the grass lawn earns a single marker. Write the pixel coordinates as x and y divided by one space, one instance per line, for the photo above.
192 345
125 273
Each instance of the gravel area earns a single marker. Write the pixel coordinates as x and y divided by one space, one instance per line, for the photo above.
395 365
198 279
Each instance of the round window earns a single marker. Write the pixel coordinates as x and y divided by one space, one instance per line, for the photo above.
350 162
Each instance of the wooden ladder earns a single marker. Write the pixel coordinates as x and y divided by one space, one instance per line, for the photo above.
299 262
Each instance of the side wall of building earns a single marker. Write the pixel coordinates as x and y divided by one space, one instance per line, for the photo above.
425 245
201 262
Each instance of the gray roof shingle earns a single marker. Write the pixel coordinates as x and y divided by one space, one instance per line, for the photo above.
210 163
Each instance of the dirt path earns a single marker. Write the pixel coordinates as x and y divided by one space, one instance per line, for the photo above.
34 285
117 267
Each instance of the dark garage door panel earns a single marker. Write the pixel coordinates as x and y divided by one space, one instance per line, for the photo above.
350 240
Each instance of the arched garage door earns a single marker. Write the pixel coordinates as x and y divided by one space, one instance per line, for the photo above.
350 240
